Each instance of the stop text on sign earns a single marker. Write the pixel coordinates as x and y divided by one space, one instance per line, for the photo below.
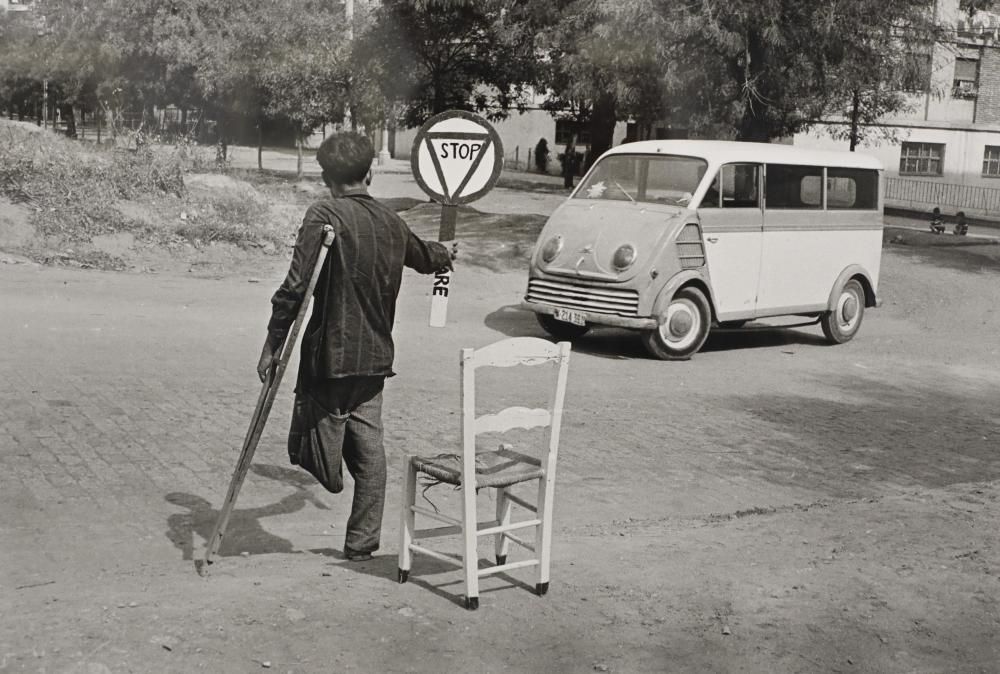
459 150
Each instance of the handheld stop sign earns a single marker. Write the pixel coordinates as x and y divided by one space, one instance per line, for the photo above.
456 158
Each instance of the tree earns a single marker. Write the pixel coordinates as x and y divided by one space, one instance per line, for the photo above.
434 56
606 62
762 69
878 65
303 71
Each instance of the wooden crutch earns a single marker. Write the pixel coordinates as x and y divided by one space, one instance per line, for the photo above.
264 401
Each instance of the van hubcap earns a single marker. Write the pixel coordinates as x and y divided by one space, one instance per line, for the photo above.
850 309
681 325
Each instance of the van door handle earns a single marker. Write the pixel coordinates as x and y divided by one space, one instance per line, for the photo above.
713 239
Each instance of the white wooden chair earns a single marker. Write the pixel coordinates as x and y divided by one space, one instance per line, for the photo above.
500 469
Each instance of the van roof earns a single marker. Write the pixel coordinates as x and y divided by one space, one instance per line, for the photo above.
725 151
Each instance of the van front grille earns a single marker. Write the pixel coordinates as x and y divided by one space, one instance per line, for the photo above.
584 298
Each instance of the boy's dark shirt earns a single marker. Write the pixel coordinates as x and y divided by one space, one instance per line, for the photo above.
350 331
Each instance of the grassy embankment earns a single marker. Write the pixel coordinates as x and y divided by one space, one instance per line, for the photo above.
76 196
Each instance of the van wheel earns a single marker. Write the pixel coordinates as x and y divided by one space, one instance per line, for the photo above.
561 329
841 324
683 326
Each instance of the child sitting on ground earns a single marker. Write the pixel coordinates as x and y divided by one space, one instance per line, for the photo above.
937 224
961 226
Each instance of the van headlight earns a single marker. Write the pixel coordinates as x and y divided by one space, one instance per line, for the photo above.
624 257
552 248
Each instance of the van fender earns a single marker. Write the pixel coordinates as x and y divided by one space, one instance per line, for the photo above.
700 279
866 283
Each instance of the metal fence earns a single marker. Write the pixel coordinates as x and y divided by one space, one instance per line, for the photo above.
945 195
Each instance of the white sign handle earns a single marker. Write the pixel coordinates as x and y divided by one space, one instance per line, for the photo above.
442 279
439 298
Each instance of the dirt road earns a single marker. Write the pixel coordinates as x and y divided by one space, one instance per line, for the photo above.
773 505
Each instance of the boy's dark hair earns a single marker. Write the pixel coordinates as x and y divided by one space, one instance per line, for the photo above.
345 157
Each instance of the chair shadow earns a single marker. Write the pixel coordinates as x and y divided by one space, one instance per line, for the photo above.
619 344
387 567
244 533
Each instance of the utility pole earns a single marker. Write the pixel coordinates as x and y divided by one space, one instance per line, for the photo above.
45 103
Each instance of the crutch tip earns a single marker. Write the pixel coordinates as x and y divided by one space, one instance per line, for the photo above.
404 575
472 603
541 589
501 560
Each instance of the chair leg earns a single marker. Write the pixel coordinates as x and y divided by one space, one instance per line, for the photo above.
543 532
407 518
500 542
470 555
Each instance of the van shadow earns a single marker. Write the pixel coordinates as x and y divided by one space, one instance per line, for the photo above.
244 532
754 336
513 321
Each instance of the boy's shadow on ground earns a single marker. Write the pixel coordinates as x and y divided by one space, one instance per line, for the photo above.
244 532
513 321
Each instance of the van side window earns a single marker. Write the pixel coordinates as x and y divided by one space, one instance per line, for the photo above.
798 187
853 189
738 185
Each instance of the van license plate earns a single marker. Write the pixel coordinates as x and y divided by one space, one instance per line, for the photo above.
574 317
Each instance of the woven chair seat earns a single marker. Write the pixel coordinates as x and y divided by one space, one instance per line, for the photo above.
497 468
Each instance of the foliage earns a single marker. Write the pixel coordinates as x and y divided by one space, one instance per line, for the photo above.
435 56
759 70
607 62
77 190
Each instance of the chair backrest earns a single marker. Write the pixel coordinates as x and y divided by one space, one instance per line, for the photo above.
516 351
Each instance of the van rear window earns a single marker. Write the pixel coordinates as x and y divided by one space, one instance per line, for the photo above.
664 179
794 187
854 189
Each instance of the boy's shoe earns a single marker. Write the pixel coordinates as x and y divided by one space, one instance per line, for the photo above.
355 556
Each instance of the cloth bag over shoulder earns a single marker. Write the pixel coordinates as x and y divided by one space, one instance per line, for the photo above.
316 440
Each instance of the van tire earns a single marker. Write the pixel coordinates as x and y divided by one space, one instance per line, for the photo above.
843 322
561 330
683 326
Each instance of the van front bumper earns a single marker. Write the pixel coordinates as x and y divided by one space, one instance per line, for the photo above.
594 318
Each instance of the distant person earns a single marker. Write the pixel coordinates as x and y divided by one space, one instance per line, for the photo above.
569 162
347 347
542 156
937 223
961 226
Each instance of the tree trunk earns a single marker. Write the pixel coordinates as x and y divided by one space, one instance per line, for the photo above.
602 128
755 125
70 115
298 154
260 145
855 113
222 149
439 103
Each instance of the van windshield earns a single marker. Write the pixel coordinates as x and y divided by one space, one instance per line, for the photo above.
662 179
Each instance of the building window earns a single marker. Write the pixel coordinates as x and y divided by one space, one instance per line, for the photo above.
921 159
991 161
915 75
966 82
566 128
